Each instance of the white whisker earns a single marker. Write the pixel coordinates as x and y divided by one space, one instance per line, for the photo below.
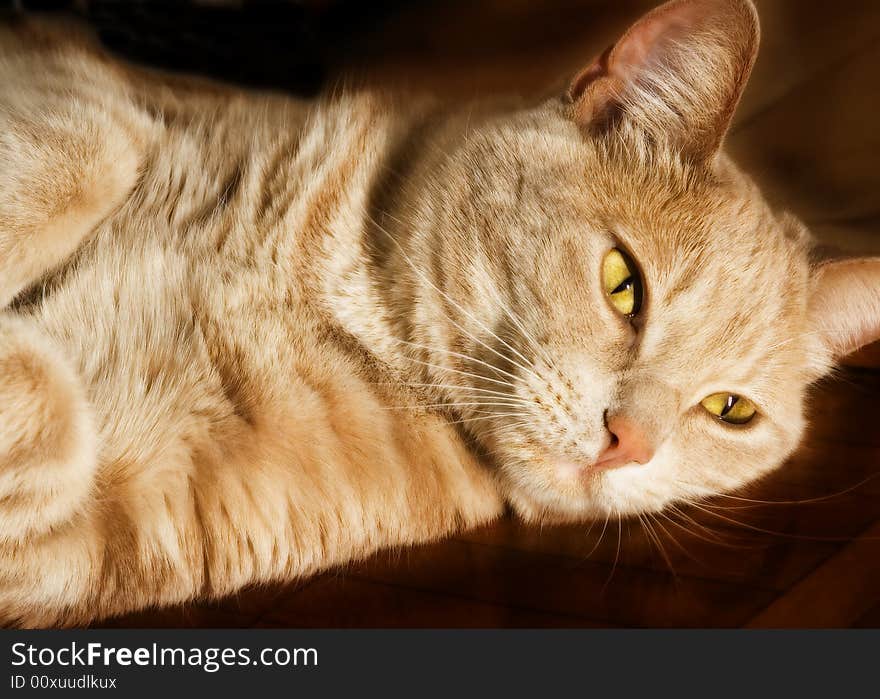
467 389
463 373
466 357
417 406
454 303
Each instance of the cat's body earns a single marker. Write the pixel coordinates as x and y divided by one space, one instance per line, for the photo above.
251 338
243 431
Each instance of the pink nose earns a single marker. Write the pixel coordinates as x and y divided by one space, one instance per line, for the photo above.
628 444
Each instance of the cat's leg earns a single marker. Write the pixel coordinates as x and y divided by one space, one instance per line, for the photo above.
61 173
68 158
48 455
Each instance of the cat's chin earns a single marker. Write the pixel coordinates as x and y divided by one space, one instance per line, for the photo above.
569 492
563 508
575 500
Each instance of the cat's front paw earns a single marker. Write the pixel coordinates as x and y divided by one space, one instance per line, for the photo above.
47 441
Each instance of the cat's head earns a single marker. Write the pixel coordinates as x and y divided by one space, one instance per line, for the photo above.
617 314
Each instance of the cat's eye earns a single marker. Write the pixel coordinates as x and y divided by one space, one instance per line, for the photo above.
621 281
729 407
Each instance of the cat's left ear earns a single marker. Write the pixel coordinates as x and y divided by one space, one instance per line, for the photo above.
677 73
844 306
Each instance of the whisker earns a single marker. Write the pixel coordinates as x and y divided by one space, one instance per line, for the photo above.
449 298
644 526
488 416
466 357
466 388
616 554
419 406
497 399
710 535
516 320
799 336
463 373
601 536
787 535
805 501
514 317
650 521
590 528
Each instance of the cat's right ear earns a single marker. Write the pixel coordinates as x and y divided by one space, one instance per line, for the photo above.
844 306
677 74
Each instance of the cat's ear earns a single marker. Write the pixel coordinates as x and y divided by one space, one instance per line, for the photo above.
677 73
844 305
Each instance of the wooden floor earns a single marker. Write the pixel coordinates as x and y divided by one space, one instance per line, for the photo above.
800 549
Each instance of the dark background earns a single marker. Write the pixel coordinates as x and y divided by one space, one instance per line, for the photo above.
801 548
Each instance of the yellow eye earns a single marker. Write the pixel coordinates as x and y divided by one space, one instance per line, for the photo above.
621 282
729 407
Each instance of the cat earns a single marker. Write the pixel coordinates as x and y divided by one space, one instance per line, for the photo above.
247 337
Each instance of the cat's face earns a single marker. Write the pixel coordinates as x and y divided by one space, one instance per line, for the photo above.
717 305
625 322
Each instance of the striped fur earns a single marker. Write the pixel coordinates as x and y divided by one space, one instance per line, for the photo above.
247 338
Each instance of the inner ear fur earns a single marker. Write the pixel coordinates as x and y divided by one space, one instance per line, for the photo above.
677 73
844 305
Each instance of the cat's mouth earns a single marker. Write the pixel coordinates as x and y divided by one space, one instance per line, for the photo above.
621 447
573 488
555 489
585 471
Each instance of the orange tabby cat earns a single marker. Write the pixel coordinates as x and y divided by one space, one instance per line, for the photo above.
245 338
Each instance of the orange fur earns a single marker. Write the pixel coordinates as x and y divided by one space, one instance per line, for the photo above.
246 338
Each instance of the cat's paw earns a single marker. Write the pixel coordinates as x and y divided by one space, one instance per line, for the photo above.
47 440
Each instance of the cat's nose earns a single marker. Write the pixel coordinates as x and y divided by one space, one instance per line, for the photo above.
629 444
